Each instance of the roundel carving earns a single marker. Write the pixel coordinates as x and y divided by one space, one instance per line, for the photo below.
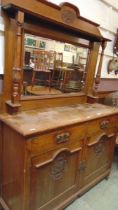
68 16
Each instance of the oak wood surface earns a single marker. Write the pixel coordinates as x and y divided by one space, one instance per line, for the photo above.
44 171
41 9
37 20
54 148
40 121
1 144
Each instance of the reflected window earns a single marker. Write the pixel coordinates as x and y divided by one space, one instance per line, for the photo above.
52 67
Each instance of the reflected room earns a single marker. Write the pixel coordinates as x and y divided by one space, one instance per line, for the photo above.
52 67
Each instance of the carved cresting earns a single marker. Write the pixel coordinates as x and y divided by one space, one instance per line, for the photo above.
69 13
17 68
59 165
68 16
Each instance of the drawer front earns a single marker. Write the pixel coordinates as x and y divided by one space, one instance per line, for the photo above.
57 139
46 158
103 126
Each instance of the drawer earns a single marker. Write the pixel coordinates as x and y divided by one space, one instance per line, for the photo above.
56 139
103 126
45 158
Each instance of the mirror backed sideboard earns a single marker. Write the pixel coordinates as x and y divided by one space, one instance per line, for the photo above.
56 141
52 156
49 57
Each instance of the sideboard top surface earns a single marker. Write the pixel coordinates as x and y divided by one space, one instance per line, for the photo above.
37 121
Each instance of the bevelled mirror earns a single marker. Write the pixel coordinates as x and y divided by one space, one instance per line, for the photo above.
53 67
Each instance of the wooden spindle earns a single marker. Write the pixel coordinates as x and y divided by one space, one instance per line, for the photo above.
17 67
98 74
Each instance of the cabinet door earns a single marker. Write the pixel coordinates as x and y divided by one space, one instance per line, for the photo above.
0 156
98 155
53 178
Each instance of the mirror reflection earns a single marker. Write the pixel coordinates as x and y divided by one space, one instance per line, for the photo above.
52 67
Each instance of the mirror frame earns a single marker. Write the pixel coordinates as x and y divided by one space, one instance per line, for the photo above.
21 17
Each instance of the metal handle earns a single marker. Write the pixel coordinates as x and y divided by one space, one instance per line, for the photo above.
104 124
61 138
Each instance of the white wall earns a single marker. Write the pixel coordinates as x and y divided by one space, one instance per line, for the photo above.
73 52
104 12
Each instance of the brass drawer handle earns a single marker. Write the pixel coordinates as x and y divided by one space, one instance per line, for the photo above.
61 138
104 124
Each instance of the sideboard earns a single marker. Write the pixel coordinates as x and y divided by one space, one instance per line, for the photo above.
52 156
54 146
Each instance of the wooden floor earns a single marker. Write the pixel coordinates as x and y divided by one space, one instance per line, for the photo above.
41 90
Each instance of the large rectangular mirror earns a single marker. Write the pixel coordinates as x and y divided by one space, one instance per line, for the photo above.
52 67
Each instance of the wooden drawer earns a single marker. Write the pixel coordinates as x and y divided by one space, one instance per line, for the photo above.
41 160
56 139
103 126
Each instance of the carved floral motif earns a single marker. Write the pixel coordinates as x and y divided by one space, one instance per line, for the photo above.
58 167
99 148
68 16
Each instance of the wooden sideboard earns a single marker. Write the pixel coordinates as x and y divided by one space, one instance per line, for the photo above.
52 156
53 148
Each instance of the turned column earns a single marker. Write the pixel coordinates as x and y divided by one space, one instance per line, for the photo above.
17 66
98 74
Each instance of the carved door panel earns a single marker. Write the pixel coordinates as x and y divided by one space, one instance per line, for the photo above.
53 178
98 155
